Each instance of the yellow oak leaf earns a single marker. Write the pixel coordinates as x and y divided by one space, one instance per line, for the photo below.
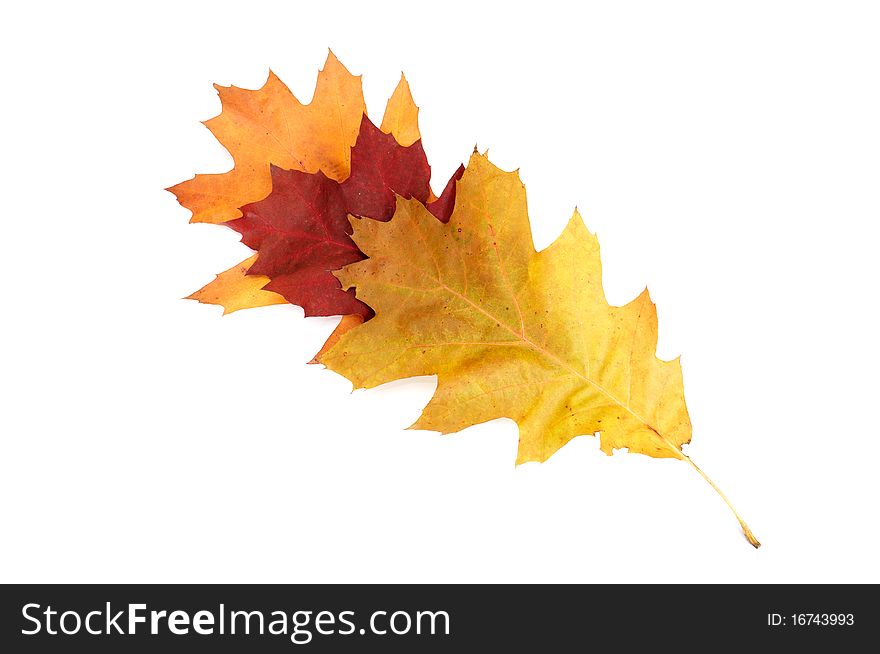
508 331
234 289
270 126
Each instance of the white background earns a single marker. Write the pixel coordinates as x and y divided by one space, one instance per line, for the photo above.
727 154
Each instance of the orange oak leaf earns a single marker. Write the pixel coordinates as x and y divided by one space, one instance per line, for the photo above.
270 126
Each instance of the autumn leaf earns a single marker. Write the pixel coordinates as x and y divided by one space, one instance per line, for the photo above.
508 331
301 139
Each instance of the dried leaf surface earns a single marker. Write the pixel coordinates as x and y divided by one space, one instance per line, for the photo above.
509 332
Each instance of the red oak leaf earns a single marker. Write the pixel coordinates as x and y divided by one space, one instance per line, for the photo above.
301 230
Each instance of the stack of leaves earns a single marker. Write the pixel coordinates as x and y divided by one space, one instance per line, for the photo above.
343 222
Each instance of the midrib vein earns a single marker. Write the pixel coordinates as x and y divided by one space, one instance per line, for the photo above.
547 353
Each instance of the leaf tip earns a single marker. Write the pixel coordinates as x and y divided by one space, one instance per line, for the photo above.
278 174
271 77
577 222
332 64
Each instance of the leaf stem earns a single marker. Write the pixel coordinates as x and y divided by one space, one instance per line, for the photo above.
521 335
742 523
